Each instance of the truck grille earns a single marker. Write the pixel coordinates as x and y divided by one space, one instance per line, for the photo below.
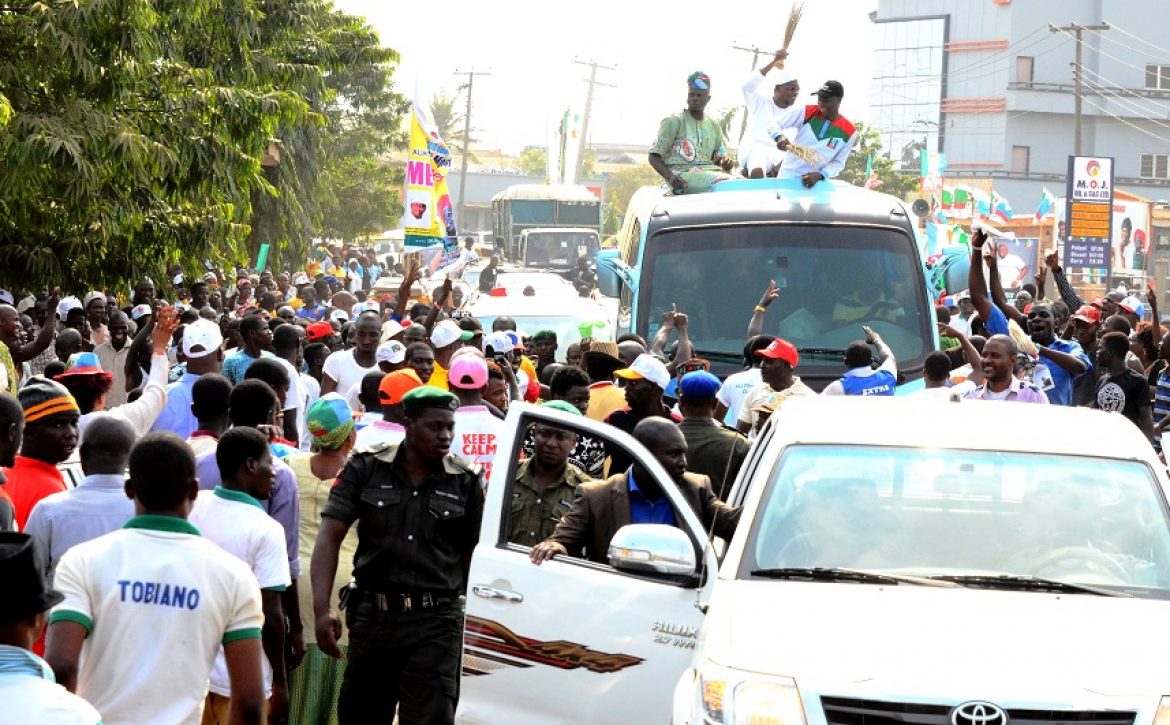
846 711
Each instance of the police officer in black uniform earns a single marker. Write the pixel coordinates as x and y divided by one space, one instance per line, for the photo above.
419 510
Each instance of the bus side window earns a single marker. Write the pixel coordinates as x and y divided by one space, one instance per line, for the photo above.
631 244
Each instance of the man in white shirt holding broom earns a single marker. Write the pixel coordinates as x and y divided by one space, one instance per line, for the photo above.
769 94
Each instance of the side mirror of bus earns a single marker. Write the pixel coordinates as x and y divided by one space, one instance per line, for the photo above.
608 280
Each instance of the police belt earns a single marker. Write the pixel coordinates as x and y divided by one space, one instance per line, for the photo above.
400 602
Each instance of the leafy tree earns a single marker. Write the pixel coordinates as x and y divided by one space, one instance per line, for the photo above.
449 121
869 141
620 187
136 132
533 161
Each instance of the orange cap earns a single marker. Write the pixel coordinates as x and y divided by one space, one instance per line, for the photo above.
397 384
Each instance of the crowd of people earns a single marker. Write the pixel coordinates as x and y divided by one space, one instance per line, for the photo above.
172 471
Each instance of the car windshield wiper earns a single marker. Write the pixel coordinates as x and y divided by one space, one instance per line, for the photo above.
720 355
835 352
839 574
1025 583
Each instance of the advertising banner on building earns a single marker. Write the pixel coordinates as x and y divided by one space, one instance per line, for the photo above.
430 218
1089 215
1131 235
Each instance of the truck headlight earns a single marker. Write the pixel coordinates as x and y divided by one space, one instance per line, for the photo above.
1162 716
731 697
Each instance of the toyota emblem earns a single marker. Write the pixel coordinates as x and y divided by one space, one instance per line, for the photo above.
978 713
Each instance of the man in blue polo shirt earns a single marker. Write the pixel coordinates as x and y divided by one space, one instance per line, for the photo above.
862 378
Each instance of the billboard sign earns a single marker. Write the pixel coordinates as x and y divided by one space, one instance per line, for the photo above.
1089 215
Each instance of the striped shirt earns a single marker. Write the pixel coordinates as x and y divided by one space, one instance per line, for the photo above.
1161 402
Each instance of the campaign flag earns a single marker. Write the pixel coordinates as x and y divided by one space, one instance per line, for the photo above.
982 203
948 198
871 179
1001 208
958 235
932 168
430 217
1047 203
572 142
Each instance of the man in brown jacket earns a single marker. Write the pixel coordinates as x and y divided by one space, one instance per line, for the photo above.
634 497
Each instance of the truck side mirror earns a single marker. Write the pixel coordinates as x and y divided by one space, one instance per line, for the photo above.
608 280
655 549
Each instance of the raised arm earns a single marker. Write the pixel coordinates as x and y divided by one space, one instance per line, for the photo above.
48 331
971 356
1067 293
976 282
756 324
662 337
997 295
413 271
1152 299
685 350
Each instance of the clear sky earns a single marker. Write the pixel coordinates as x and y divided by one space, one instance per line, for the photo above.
529 49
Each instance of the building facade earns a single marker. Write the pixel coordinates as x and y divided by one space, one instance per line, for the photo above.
991 85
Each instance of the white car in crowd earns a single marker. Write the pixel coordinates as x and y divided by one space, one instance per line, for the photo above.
897 560
569 315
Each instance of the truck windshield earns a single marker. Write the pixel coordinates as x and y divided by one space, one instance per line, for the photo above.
560 249
972 517
832 279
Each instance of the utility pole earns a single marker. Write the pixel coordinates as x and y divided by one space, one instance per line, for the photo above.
1078 31
755 51
471 74
593 66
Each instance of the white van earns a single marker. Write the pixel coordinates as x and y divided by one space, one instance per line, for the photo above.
897 561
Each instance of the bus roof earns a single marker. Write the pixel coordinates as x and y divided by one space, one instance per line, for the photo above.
773 199
555 192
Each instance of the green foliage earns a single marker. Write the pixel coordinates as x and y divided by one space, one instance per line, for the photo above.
620 187
132 132
449 121
533 161
893 183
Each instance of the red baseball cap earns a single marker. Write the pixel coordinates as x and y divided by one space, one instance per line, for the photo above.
781 350
319 331
1088 313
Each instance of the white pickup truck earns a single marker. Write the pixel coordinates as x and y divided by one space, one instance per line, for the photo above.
897 561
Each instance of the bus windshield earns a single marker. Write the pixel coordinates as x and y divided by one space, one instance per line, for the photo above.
832 280
559 249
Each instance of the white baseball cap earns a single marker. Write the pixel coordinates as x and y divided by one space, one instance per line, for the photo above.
6 296
499 342
393 352
67 304
447 333
339 316
202 334
390 329
647 367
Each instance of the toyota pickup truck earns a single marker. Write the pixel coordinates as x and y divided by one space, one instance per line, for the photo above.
1010 565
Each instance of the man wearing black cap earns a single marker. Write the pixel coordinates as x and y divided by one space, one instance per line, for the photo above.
419 511
824 131
28 687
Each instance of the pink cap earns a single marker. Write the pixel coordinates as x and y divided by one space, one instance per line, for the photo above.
468 372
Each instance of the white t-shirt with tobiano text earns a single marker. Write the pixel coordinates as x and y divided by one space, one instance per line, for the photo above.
157 601
238 524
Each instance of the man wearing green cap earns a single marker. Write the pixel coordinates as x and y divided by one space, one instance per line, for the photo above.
546 483
419 511
689 152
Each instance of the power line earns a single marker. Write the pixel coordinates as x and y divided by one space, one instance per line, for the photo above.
985 74
1102 91
1123 31
1005 54
593 66
1128 123
1116 88
471 74
1080 42
1076 32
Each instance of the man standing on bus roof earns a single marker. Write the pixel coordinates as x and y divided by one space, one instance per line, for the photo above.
825 132
769 95
689 152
